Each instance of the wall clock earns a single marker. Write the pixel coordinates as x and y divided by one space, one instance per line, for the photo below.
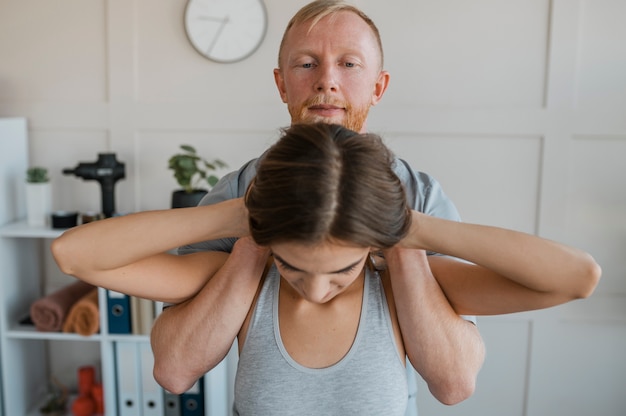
225 31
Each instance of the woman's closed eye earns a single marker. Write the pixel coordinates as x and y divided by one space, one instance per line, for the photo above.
288 267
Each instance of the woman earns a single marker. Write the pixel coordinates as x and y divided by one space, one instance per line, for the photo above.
319 331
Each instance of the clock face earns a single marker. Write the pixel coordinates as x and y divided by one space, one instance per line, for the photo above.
225 30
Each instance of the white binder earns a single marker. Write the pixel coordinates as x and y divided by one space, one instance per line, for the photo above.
128 382
152 393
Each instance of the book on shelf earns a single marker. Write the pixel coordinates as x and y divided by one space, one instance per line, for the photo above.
131 314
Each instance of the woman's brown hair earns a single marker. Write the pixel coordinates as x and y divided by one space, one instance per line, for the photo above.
324 182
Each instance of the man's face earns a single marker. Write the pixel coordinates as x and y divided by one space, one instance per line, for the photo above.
332 72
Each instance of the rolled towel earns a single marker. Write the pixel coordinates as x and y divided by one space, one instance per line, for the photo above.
48 313
84 317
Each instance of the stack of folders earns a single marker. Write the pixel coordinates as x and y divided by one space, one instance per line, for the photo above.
138 394
131 315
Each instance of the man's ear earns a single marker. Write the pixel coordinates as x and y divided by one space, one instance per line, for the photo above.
381 86
280 84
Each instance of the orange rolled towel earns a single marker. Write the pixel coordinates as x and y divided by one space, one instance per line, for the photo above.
84 317
48 313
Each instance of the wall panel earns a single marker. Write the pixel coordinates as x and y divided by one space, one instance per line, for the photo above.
596 205
575 371
454 54
602 56
61 55
491 180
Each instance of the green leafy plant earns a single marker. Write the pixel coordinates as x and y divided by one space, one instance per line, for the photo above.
37 175
56 402
190 170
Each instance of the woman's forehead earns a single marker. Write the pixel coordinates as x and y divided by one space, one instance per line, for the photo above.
325 257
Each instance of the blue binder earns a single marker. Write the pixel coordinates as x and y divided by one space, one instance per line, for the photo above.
118 307
192 401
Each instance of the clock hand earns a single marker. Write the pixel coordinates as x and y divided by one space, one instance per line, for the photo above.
225 21
213 18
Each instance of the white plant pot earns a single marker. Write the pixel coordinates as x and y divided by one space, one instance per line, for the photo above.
38 204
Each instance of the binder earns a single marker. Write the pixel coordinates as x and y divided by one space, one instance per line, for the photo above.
128 381
171 404
141 315
152 393
192 401
146 315
135 316
158 308
118 312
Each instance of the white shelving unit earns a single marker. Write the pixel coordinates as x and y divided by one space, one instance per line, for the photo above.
25 353
25 356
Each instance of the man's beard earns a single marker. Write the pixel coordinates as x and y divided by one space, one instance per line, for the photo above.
354 117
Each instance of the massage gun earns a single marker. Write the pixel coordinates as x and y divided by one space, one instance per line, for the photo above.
106 170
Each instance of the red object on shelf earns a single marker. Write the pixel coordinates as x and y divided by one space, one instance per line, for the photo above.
86 380
98 398
83 406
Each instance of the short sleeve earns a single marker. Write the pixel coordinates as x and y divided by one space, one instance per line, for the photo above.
232 185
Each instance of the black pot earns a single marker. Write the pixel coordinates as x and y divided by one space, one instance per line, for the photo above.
182 199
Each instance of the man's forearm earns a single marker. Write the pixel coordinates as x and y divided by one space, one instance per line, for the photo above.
445 349
191 338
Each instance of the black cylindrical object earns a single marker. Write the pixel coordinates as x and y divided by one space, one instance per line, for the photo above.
106 170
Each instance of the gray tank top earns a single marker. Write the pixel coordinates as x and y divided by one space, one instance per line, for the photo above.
369 380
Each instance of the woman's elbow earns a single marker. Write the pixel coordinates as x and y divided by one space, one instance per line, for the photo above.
591 273
62 255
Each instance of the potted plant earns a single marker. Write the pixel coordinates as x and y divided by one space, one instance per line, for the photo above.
38 196
192 172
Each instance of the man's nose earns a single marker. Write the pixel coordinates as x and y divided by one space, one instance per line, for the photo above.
327 80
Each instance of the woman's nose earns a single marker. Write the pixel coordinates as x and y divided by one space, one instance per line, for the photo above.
316 289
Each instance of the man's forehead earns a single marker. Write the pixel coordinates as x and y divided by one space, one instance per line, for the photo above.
357 35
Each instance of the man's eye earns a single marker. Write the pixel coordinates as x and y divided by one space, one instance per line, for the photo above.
349 65
307 65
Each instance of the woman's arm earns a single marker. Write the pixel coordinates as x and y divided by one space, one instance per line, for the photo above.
511 271
129 253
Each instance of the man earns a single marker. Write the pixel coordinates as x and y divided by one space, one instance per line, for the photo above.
330 70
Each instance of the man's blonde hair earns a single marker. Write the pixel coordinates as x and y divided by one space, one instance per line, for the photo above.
317 10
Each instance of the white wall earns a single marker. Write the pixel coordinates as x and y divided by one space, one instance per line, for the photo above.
518 107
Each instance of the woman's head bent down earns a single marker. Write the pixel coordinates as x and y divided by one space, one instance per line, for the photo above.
323 182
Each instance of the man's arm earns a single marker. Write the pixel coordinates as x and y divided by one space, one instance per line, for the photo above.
445 349
191 338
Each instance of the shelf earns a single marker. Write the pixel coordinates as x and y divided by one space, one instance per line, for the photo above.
21 229
127 337
30 332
